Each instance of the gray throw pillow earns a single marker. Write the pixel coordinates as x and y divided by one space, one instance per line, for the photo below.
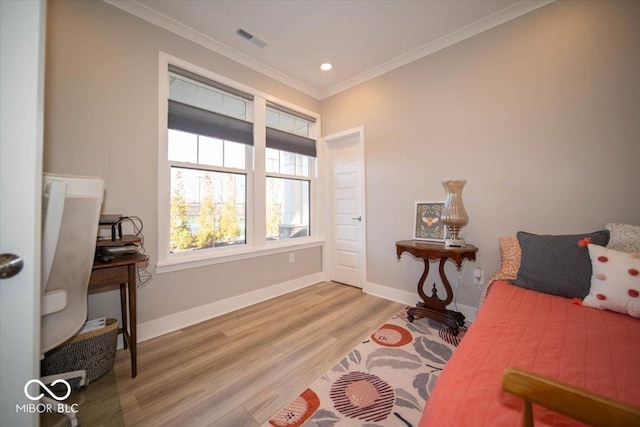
557 265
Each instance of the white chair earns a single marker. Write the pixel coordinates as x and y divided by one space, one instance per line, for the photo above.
71 212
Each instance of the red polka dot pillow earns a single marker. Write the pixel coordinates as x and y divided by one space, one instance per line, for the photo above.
615 282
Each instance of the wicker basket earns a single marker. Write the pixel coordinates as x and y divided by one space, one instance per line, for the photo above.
93 351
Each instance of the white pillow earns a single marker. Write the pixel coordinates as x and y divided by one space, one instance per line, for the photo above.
624 237
615 282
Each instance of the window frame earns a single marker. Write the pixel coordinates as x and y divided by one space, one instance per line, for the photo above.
256 241
217 169
313 166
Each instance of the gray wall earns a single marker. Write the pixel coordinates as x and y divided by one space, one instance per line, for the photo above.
541 116
101 119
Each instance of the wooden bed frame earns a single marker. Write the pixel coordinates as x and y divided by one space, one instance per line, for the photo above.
516 349
584 406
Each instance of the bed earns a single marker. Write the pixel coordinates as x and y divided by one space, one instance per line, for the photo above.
592 348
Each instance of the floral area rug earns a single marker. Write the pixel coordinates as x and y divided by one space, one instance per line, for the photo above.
385 381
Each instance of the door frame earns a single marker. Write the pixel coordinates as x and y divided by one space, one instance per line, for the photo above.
331 143
22 38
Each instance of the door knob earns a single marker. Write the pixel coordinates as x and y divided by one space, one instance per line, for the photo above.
10 265
358 218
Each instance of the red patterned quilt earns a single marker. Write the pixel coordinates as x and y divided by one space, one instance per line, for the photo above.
593 349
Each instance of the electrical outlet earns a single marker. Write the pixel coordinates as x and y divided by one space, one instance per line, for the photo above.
292 257
478 276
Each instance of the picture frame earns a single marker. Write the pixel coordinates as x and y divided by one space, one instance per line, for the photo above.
427 222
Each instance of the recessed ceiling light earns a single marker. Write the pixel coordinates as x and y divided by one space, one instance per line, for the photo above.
326 66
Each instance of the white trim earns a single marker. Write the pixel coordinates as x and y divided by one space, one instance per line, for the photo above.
141 11
332 142
410 298
170 59
203 258
173 322
391 294
256 198
257 245
450 39
164 170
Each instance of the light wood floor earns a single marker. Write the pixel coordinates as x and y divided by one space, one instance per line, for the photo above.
98 405
241 368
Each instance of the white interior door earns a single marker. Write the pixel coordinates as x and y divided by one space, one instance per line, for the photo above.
347 253
22 27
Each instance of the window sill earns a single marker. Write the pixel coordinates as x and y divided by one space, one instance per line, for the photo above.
185 261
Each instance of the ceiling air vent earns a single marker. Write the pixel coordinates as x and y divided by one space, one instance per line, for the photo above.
242 33
250 37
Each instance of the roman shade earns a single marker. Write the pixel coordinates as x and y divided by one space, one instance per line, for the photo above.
281 140
196 120
206 81
188 118
291 112
291 142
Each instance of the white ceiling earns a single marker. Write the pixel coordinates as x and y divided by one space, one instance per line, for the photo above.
362 39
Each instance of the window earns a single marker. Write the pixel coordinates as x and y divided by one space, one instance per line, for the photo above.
208 167
215 203
287 208
286 122
289 173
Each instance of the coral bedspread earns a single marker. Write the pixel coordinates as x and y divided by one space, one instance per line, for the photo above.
589 348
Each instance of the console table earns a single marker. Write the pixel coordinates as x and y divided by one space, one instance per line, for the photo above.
432 306
122 271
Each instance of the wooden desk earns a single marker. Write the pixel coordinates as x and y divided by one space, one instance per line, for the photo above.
432 306
122 272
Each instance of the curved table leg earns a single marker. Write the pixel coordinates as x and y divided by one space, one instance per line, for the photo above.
433 307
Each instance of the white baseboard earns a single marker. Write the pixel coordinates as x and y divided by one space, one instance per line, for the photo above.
403 297
411 298
173 322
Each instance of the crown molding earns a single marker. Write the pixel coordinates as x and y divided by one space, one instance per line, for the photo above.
143 12
491 21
